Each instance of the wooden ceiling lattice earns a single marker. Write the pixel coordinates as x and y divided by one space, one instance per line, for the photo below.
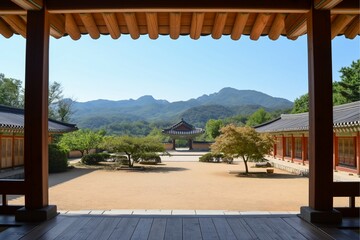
194 18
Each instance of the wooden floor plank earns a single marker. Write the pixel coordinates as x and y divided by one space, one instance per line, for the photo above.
306 229
125 229
240 231
58 229
157 231
142 230
262 231
70 231
17 232
223 229
342 234
87 229
208 230
173 229
105 228
191 229
281 228
41 229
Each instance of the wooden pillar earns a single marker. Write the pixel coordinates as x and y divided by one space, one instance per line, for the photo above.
336 151
275 146
283 147
358 153
174 144
320 120
303 149
36 119
292 148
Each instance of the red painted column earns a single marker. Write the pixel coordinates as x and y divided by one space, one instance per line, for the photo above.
275 150
283 147
358 153
336 151
303 149
292 148
320 207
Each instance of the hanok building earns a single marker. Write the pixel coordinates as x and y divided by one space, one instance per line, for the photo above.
12 135
292 137
183 130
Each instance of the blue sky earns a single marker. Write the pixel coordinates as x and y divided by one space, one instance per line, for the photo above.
175 70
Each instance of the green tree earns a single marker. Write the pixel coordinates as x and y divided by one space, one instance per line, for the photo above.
258 117
213 127
11 92
132 146
242 142
81 140
301 104
348 88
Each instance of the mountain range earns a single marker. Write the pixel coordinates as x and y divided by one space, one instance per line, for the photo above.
225 103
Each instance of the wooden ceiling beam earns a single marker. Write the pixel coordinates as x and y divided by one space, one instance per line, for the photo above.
90 25
71 27
57 25
112 25
239 25
219 25
295 25
339 23
277 26
8 7
16 23
79 6
197 22
259 25
326 4
5 29
29 4
132 25
347 7
353 29
152 25
175 24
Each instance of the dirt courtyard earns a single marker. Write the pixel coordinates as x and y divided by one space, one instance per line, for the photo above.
177 185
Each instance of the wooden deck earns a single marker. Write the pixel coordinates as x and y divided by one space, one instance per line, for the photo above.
150 227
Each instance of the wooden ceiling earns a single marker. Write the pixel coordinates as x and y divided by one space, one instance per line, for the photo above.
194 18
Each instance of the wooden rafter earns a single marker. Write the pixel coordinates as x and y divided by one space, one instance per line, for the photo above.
5 29
326 4
71 27
152 25
277 26
259 25
197 22
219 25
16 23
90 25
175 24
339 23
57 25
29 4
112 24
353 29
239 25
287 6
295 25
132 25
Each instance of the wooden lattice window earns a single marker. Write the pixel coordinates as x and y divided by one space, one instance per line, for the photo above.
298 148
279 146
6 152
346 146
288 147
18 151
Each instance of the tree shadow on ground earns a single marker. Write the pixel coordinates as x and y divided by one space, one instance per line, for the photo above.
71 174
159 168
268 175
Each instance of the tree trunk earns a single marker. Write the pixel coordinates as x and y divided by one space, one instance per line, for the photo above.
246 166
82 153
130 163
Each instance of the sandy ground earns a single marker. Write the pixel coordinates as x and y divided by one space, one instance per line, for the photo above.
177 185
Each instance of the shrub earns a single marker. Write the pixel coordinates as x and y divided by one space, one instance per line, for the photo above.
208 157
93 159
123 160
149 158
58 161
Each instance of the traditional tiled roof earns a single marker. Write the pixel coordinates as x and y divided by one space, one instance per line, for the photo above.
344 116
13 119
182 128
